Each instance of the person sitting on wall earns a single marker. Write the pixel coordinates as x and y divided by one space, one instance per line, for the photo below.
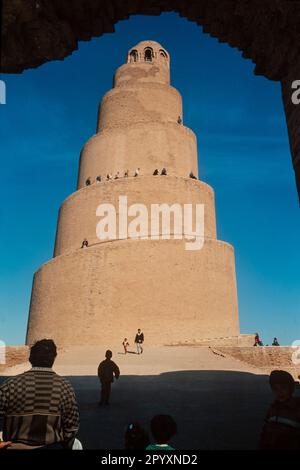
275 342
191 175
179 120
164 171
257 341
107 371
88 182
85 243
109 176
282 423
163 428
137 172
98 179
117 176
39 406
156 172
126 174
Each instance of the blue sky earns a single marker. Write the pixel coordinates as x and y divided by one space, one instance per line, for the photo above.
243 153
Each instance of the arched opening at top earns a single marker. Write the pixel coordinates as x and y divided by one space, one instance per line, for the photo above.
133 56
271 61
163 54
148 54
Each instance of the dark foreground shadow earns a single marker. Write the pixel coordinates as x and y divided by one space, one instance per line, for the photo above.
213 409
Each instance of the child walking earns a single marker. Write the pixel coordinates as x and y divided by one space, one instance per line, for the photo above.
125 345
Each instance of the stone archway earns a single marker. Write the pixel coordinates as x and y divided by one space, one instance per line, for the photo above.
37 31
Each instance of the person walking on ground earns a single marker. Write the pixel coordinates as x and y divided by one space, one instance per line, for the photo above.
139 339
107 371
39 406
125 345
163 428
282 423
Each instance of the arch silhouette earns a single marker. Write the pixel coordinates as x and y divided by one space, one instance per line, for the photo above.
265 32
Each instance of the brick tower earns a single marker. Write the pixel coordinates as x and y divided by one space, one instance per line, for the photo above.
103 292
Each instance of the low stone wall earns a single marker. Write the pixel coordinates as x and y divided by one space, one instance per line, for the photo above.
226 341
13 355
266 358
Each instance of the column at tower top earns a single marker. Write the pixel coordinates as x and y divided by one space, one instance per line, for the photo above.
140 122
147 62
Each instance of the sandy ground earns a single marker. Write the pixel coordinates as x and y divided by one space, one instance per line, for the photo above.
218 402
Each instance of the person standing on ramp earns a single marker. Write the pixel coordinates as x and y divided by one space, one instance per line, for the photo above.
139 339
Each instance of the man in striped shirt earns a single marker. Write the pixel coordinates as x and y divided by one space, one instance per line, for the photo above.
39 406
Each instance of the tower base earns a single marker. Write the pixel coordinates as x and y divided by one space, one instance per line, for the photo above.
101 294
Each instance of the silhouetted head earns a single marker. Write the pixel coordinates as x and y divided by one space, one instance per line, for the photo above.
139 330
163 428
108 354
136 437
282 384
43 353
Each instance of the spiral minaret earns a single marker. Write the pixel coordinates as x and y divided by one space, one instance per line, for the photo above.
101 293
